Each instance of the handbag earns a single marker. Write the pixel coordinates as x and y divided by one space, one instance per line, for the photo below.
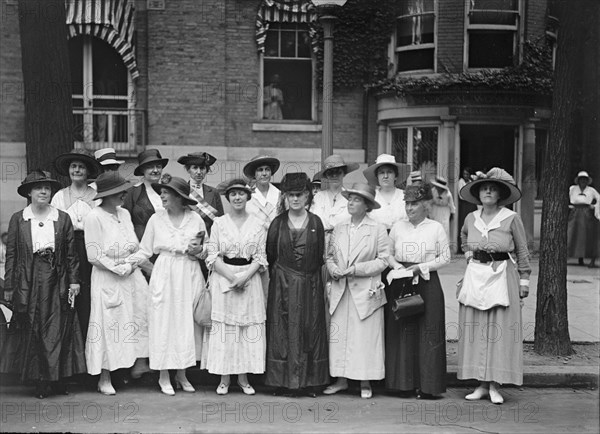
484 287
409 303
203 307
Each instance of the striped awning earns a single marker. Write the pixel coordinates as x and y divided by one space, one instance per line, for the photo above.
110 20
282 11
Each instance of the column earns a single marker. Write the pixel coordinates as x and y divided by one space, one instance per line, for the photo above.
528 182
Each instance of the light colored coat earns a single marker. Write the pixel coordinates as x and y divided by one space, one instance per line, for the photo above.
367 251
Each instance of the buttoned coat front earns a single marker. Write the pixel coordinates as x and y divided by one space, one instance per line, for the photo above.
367 251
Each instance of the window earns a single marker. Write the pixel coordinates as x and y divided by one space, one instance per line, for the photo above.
415 145
552 27
414 39
287 73
493 36
102 96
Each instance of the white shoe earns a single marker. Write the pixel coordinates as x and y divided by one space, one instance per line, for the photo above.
480 392
185 385
247 389
106 389
223 389
495 396
167 389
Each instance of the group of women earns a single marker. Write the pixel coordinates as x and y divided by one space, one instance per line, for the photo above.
301 286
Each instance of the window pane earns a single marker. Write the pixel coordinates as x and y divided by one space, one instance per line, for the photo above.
425 143
109 72
303 44
415 60
400 144
288 44
415 30
291 97
493 17
490 49
505 5
272 43
76 59
411 7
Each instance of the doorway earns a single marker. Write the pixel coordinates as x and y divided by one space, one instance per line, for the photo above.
485 146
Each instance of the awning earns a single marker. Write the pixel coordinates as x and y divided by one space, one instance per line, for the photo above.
283 11
110 20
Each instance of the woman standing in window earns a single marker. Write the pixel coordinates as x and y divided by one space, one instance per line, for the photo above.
42 275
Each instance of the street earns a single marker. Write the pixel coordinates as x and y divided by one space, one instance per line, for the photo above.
144 409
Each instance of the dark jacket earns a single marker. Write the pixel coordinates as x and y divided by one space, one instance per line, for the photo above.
139 206
19 258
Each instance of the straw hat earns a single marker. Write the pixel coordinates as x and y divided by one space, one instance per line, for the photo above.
197 159
336 161
440 182
34 178
109 183
366 191
295 181
63 161
177 185
583 174
417 192
385 160
107 156
258 161
511 193
149 156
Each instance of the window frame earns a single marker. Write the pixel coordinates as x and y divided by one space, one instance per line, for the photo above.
410 126
394 49
516 29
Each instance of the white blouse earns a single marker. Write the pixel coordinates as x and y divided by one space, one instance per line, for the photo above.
391 211
42 231
585 197
77 207
331 208
425 244
262 207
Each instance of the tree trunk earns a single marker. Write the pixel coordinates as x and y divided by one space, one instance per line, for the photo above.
551 322
46 80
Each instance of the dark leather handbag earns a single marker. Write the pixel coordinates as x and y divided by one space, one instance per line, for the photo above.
408 304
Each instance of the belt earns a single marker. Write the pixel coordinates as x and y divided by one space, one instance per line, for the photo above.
236 261
485 257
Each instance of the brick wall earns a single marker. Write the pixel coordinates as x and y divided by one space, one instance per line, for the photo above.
535 18
451 27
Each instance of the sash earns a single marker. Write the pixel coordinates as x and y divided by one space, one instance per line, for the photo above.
203 207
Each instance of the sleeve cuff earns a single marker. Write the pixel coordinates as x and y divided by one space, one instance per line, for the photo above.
523 282
424 270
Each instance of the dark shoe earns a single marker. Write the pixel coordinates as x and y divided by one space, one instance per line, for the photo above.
428 396
580 261
60 388
42 390
311 392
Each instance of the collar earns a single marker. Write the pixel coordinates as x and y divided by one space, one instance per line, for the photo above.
271 197
28 214
503 214
366 221
194 185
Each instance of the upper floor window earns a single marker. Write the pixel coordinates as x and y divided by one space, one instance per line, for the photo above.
552 27
493 33
287 73
414 38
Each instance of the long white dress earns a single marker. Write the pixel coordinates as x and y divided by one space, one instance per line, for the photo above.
238 340
117 335
176 341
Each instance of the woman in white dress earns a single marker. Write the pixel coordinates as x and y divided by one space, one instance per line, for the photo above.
77 200
236 254
357 254
175 234
115 336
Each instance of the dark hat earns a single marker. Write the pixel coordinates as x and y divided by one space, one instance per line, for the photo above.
470 192
198 159
178 185
149 156
37 177
295 181
385 160
336 161
234 184
417 192
440 182
109 183
366 191
258 161
107 156
63 161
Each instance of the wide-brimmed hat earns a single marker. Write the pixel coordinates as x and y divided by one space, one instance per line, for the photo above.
234 184
415 177
470 192
63 161
336 161
177 185
440 182
109 183
258 161
583 174
107 156
366 191
417 192
385 160
37 177
316 181
198 159
149 156
295 181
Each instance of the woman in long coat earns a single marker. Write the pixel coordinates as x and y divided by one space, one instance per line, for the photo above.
297 355
42 272
357 254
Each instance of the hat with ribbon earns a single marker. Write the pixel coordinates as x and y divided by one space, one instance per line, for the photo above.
583 174
440 182
234 184
177 185
401 169
417 192
509 192
295 181
366 191
336 161
258 161
149 156
316 181
107 156
197 159
415 176
109 183
34 178
63 162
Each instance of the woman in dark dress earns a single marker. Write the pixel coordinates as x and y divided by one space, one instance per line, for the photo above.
42 272
297 353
